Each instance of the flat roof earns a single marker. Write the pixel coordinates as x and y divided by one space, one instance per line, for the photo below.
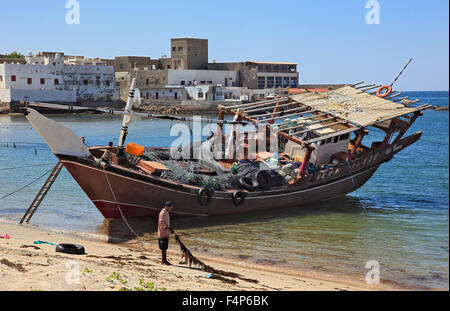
187 38
276 63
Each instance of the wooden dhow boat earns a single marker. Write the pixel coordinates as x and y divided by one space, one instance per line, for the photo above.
320 154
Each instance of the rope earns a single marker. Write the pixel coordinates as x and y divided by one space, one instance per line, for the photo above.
22 143
15 191
17 167
401 72
354 185
120 211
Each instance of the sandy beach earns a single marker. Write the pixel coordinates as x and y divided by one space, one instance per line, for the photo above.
26 266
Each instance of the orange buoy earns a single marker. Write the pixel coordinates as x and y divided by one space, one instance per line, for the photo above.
388 91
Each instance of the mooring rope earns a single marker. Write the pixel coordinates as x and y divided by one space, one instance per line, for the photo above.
15 191
120 211
18 167
354 185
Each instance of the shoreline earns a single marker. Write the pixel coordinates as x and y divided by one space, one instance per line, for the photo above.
120 266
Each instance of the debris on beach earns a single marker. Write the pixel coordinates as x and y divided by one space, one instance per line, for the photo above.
215 274
13 265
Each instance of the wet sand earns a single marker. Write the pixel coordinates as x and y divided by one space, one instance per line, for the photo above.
26 266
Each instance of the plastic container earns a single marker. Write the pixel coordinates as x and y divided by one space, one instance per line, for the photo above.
135 149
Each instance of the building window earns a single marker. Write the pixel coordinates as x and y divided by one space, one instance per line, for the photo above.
174 49
286 82
278 82
42 81
13 78
56 81
85 82
261 82
147 81
180 48
294 82
107 82
270 82
29 81
182 82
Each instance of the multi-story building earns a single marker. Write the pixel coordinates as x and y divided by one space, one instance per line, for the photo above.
44 78
189 53
188 67
262 75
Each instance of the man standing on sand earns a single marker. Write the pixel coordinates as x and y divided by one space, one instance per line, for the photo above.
164 231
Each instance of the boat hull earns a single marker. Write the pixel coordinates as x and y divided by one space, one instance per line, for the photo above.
114 194
118 192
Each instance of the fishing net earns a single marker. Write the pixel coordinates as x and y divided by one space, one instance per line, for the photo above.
207 172
217 274
189 171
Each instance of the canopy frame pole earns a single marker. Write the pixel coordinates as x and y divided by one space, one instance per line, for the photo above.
305 163
280 133
357 143
405 129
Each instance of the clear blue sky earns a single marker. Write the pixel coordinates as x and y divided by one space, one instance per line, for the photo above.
330 40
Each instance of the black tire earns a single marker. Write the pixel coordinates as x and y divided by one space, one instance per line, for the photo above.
248 183
201 196
263 179
238 197
74 249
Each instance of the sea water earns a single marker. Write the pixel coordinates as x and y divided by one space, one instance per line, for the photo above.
398 218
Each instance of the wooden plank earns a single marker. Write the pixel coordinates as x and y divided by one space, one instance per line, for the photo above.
286 116
42 192
280 133
349 130
363 86
304 118
256 104
353 85
395 95
279 112
266 108
319 128
308 124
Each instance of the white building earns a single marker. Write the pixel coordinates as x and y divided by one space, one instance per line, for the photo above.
194 77
50 80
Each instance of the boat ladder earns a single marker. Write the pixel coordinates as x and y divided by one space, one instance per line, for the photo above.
43 192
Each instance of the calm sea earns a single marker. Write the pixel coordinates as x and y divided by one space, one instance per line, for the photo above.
399 218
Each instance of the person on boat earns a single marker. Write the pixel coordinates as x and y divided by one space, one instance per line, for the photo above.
164 231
